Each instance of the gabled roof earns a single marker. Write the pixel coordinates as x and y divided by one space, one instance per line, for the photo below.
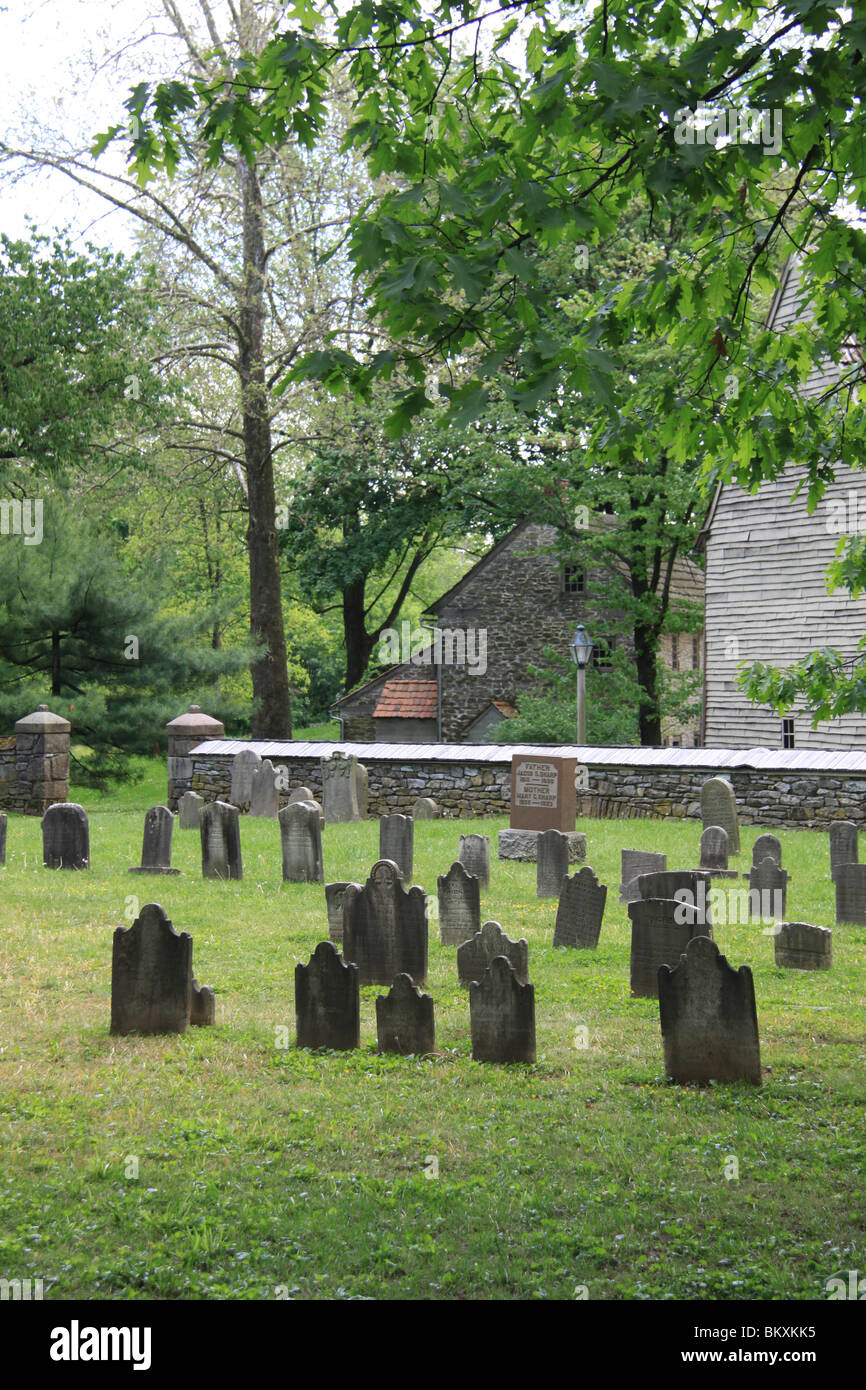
477 568
368 685
408 700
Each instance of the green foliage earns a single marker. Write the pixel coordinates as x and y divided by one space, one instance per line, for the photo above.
547 713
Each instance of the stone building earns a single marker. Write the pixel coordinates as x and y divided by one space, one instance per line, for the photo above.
487 629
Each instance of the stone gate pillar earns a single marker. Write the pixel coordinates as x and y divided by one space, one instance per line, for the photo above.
41 761
183 735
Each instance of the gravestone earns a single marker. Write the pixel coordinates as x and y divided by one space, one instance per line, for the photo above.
66 836
396 842
363 788
2 839
341 783
327 1001
708 1018
385 927
661 929
719 807
580 911
425 808
300 794
635 862
220 841
189 811
474 956
301 838
543 794
673 882
851 894
334 894
156 847
151 975
474 855
767 847
552 863
202 1005
459 905
244 764
404 1019
714 848
502 1015
771 882
800 946
843 845
264 791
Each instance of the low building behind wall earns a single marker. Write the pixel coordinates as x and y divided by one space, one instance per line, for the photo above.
774 788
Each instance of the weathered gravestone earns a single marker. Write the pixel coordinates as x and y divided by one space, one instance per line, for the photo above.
635 862
843 845
502 1015
202 1005
396 842
459 905
220 841
708 1018
474 956
244 764
151 975
2 839
661 929
404 1019
474 855
301 838
676 882
156 846
189 811
300 794
334 894
552 863
425 808
770 884
767 847
851 894
363 790
341 788
580 911
264 791
327 1001
385 927
719 807
66 837
800 946
714 850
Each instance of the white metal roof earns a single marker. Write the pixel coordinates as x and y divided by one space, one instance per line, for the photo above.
769 759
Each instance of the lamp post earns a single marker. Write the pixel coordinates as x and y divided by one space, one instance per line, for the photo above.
581 649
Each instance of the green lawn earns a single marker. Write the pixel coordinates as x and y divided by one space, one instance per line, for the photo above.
264 1171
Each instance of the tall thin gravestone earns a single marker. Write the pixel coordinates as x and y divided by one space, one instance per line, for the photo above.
404 1019
156 847
264 792
843 845
474 855
2 839
334 894
708 1017
459 905
770 883
244 764
385 927
552 865
220 841
851 894
396 842
474 956
151 975
341 789
327 1001
502 1015
580 911
66 837
301 838
661 929
719 807
189 811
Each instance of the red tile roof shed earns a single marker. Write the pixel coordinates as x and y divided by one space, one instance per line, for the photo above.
407 700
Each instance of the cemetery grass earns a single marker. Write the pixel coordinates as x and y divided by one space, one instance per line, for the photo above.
226 1164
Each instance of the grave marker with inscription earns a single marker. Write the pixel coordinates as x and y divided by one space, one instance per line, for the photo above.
502 1015
459 905
708 1017
327 1001
404 1019
580 911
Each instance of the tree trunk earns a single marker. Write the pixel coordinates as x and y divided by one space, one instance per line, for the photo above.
646 660
359 643
272 714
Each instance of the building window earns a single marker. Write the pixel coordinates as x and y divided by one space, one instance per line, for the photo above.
602 653
573 580
696 653
787 733
675 653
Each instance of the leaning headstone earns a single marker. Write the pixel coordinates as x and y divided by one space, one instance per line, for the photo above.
771 883
340 789
661 929
552 864
404 1019
673 882
843 845
65 836
580 910
474 956
800 946
301 837
189 811
151 975
708 1017
635 862
396 841
244 765
459 905
264 791
714 848
156 847
202 1005
502 1015
851 894
474 855
327 1001
220 841
767 847
334 894
425 808
719 807
385 927
2 839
